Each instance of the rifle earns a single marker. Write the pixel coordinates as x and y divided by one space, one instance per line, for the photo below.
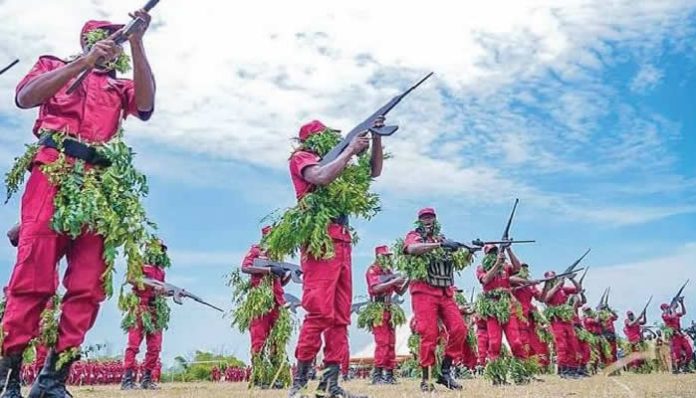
544 280
292 302
603 300
505 240
5 69
576 263
177 293
356 307
119 39
368 125
675 300
582 278
471 300
294 270
642 313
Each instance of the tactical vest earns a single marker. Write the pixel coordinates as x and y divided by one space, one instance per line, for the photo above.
440 272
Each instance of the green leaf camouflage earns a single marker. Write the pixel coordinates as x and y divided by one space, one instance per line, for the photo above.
304 226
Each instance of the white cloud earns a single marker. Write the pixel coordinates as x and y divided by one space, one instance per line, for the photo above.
518 85
648 77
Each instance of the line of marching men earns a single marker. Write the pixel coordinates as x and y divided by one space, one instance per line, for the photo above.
470 333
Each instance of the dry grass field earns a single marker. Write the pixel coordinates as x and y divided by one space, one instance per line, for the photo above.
627 385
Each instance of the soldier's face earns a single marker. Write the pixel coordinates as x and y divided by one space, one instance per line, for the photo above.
428 221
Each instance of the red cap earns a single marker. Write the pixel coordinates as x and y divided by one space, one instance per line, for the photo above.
311 128
91 25
266 230
427 210
382 251
489 248
664 306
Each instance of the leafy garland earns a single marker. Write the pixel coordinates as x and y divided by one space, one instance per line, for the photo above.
506 367
15 176
121 64
373 315
48 323
416 267
305 226
152 318
499 304
250 303
667 331
563 312
105 201
271 366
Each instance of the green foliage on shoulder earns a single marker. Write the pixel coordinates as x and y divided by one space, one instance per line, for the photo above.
305 225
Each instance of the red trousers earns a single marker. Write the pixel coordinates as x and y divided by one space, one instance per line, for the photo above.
482 342
32 282
345 363
385 343
531 341
428 309
635 347
41 354
327 291
512 334
614 351
260 328
585 352
567 348
681 350
153 344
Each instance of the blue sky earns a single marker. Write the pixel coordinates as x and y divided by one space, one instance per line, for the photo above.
582 111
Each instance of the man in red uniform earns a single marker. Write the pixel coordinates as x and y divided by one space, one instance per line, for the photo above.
260 328
147 297
593 326
91 114
682 353
381 285
632 329
432 301
327 288
585 353
566 342
607 317
525 293
495 279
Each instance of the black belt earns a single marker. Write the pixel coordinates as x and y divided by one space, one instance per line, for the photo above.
341 220
77 150
381 299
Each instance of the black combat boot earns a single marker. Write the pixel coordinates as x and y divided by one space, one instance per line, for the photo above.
426 384
128 381
377 376
334 390
146 383
445 377
299 382
10 369
388 377
51 380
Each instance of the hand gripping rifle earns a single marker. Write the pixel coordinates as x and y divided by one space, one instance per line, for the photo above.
292 302
176 293
505 240
5 69
294 270
119 39
368 125
675 300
